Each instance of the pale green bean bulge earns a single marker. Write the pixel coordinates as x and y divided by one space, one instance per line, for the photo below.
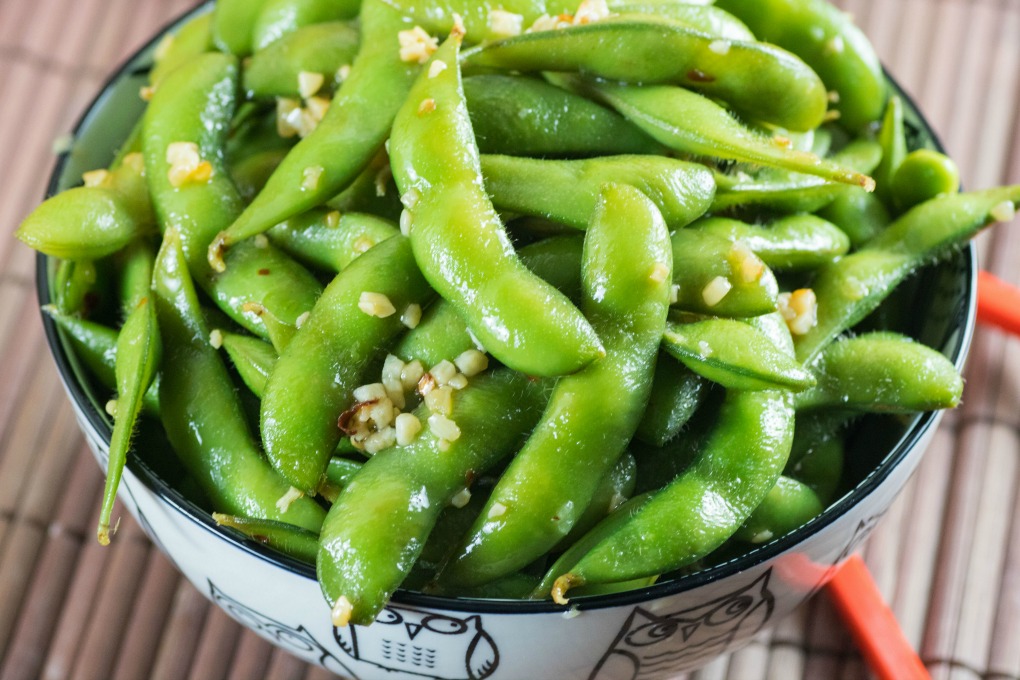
793 242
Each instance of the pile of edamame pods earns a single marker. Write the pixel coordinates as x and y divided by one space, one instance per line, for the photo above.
516 299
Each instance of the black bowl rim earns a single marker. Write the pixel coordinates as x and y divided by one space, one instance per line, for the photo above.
749 560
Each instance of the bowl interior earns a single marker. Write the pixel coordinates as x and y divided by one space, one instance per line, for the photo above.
935 306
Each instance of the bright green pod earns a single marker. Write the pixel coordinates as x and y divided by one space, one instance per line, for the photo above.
690 123
589 420
568 191
372 191
704 18
759 81
193 38
201 412
460 243
923 175
817 457
315 376
83 223
329 240
279 18
253 359
794 242
882 372
233 25
615 488
523 116
138 356
251 172
301 544
893 139
476 16
381 521
135 269
735 355
275 70
826 38
715 276
347 139
859 214
677 392
788 506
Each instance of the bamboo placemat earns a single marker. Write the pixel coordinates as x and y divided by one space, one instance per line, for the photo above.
947 556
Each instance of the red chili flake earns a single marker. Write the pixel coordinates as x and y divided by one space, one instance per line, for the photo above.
263 272
697 76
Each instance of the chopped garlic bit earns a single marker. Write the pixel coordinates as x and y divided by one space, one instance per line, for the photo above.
416 45
674 294
496 510
660 272
146 93
300 321
440 400
443 427
372 392
310 177
551 23
411 373
383 439
135 161
411 316
716 290
333 219
111 408
407 427
748 265
835 45
96 178
405 222
382 180
261 241
458 382
461 498
471 362
362 244
216 338
590 11
309 83
799 310
832 96
163 48
285 118
341 612
762 536
426 106
410 198
343 73
830 116
287 499
317 108
443 371
719 46
391 371
457 30
1003 212
783 142
503 24
186 166
376 304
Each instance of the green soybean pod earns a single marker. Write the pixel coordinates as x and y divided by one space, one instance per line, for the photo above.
233 25
788 506
278 18
319 49
793 242
329 240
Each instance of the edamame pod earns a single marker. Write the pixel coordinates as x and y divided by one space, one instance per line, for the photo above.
233 24
253 358
793 242
318 50
788 506
278 18
329 240
677 391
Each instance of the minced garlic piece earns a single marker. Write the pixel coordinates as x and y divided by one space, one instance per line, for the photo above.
411 316
376 304
310 177
300 321
383 439
405 222
343 73
285 501
216 338
95 178
426 106
471 362
719 46
135 161
146 93
309 83
748 265
371 392
341 612
186 166
443 371
503 24
497 510
659 272
443 427
163 48
382 180
437 67
799 310
333 219
674 294
416 45
461 498
111 408
551 23
590 11
716 290
407 427
362 244
457 30
411 373
317 107
1003 212
285 119
835 45
410 198
261 241
440 400
458 382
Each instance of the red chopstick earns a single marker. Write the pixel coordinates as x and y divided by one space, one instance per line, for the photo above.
998 303
872 624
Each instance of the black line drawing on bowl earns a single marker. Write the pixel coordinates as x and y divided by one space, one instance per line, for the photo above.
297 640
658 644
423 644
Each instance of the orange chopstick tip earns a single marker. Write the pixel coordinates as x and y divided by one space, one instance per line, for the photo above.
998 303
873 625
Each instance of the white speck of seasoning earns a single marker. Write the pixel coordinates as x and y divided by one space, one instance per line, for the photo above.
416 45
300 321
835 45
674 293
376 304
572 613
461 498
407 426
341 612
343 73
458 30
405 222
590 11
443 427
1003 212
333 219
762 536
411 316
503 24
410 198
261 241
716 290
362 245
800 310
287 499
310 177
458 382
317 107
111 408
186 166
437 67
659 272
471 362
216 338
95 178
719 46
705 349
411 373
370 392
309 83
440 400
426 106
496 510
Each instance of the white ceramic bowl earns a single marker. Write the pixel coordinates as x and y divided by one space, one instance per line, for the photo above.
654 632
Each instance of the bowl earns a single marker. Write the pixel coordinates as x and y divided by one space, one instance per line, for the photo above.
675 625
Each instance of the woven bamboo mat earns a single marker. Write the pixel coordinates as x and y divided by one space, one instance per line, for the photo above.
947 556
